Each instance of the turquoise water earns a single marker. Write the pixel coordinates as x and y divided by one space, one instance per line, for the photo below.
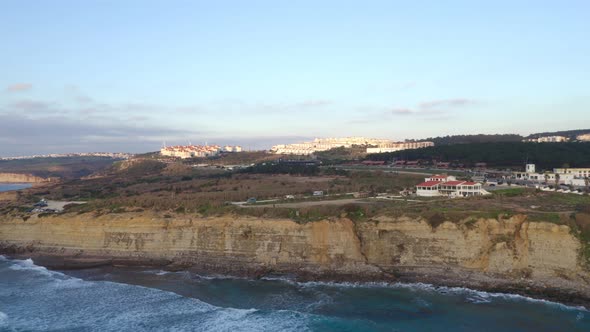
35 299
13 186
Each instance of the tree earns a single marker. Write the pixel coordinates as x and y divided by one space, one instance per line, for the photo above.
557 180
587 183
546 178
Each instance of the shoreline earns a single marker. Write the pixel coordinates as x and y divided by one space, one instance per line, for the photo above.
434 278
8 186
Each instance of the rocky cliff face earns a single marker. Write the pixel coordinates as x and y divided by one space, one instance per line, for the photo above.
20 178
485 253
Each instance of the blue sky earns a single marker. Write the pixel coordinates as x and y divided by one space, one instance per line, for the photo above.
127 75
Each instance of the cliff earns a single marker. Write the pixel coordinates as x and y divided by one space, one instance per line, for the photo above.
511 254
20 178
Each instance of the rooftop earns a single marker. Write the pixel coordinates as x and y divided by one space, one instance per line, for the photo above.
428 184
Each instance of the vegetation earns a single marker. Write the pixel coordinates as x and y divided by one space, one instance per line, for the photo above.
545 155
510 192
571 134
468 139
342 154
283 168
481 138
60 167
177 188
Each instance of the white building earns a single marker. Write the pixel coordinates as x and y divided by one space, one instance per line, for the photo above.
428 189
548 139
577 172
441 178
398 146
230 148
324 144
584 137
530 168
443 185
196 151
567 176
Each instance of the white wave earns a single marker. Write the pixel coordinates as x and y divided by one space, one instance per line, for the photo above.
476 296
230 319
28 264
151 306
61 281
157 272
217 277
473 296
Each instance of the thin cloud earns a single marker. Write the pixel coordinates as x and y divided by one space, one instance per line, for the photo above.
445 103
19 87
53 134
313 103
82 99
29 105
402 111
416 111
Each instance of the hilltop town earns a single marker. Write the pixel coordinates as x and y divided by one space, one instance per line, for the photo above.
373 145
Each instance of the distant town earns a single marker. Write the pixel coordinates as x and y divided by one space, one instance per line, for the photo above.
557 139
374 145
114 155
197 151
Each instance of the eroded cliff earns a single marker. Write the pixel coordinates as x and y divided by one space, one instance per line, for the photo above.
485 253
21 178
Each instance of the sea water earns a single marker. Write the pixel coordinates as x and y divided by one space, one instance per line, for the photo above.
33 298
13 186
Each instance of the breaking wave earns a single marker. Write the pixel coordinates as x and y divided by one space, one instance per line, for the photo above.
155 300
63 302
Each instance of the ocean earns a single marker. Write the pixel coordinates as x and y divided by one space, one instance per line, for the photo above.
13 186
33 298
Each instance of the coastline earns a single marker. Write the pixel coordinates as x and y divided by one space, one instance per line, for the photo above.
433 277
15 186
535 259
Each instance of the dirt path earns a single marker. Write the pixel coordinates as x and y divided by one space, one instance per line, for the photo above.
312 203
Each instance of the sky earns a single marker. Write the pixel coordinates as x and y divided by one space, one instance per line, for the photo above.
80 76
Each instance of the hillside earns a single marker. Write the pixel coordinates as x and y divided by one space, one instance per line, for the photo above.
571 134
500 154
468 139
59 167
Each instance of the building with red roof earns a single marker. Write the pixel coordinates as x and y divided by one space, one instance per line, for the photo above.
443 185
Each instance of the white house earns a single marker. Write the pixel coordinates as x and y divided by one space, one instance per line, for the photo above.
441 178
444 185
577 172
428 189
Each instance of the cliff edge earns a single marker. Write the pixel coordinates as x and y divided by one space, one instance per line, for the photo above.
21 178
505 254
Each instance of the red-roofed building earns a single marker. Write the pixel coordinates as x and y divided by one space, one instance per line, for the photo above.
441 178
373 163
428 189
452 188
443 165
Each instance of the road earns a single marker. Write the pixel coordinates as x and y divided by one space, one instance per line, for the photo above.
310 203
